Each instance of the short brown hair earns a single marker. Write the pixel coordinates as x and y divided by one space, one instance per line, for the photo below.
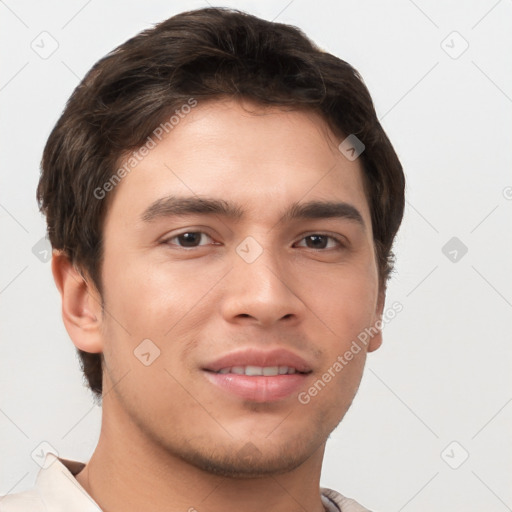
201 54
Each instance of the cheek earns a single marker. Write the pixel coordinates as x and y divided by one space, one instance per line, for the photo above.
148 298
163 302
344 301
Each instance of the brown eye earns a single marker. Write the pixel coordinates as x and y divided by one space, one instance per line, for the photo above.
189 239
319 241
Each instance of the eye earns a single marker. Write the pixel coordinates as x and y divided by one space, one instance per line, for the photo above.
189 239
320 241
192 239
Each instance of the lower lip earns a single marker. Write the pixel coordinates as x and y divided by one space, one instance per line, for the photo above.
258 388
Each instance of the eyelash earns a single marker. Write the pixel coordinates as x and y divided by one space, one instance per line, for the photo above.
341 243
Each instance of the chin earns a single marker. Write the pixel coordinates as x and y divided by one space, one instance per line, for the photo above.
247 463
251 457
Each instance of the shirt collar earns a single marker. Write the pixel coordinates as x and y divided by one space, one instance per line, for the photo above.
60 490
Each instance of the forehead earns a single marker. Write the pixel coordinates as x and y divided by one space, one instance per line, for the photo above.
262 158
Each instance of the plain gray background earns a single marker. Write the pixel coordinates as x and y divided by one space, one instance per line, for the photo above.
439 389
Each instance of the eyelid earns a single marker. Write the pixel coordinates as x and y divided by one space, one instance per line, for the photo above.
340 239
342 242
167 239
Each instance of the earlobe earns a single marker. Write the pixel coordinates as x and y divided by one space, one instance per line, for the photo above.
376 340
81 304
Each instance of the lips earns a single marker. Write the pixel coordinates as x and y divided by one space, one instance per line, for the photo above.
262 359
267 371
257 375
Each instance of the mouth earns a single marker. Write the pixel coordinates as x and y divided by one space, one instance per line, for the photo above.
259 376
267 371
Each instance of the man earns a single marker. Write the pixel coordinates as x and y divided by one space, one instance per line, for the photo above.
222 203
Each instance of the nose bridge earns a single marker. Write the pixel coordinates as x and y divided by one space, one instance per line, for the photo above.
259 284
258 263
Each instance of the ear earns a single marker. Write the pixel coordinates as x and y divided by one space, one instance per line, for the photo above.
81 304
376 340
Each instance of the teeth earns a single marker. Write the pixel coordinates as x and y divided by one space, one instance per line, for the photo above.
258 370
253 370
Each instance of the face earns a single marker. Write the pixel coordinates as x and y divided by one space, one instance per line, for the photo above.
253 289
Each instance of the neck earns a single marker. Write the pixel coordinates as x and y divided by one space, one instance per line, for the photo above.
128 472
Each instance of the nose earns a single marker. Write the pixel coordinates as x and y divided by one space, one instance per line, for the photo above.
262 292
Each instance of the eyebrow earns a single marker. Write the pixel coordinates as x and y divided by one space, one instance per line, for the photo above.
178 206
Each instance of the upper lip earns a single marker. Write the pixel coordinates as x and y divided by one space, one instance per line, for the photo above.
257 357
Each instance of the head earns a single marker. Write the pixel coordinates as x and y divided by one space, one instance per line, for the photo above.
219 105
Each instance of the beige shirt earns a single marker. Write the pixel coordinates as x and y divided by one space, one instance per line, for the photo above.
57 490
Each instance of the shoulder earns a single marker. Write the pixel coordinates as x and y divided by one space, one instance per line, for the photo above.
333 498
26 501
55 489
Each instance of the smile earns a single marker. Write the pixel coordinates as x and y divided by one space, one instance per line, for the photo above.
259 370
